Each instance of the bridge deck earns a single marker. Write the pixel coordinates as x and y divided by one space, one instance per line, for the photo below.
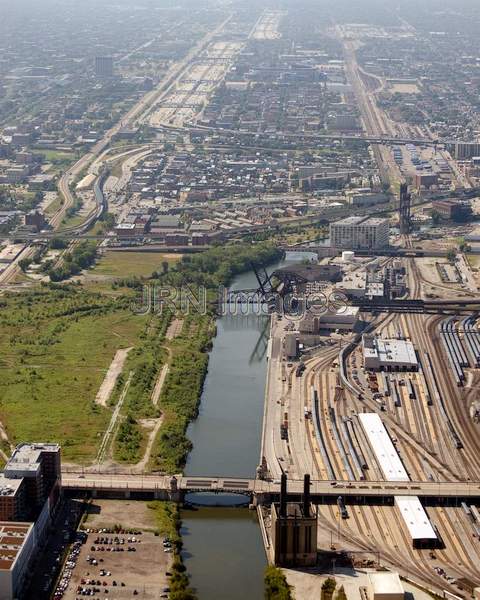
151 483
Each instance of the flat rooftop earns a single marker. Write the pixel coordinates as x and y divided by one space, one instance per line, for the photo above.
383 448
12 538
26 457
390 351
386 583
349 221
8 486
374 221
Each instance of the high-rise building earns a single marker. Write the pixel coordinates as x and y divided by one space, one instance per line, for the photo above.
405 209
359 233
103 66
30 487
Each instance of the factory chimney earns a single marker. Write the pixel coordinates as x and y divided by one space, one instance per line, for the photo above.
283 496
306 495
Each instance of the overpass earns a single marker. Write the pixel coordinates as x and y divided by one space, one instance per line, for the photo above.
165 487
418 306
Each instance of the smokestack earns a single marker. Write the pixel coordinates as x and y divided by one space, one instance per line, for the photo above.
306 495
283 496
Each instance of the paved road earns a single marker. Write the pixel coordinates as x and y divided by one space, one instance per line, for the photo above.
232 484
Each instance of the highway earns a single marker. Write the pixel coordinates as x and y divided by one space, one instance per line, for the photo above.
373 120
266 28
92 160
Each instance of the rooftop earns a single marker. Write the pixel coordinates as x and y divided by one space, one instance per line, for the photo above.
391 351
26 457
12 539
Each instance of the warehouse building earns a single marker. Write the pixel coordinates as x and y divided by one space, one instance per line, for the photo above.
389 355
417 522
359 233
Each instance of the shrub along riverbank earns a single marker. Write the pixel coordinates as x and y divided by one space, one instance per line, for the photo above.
183 387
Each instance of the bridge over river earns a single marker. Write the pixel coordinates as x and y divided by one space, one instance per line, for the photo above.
164 487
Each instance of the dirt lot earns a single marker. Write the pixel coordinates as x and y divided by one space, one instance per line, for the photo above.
127 513
143 570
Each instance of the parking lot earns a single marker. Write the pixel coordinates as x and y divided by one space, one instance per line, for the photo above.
108 559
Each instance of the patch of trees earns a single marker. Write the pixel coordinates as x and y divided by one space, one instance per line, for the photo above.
218 266
129 440
276 586
81 257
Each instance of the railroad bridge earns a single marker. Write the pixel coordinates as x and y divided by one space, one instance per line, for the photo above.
257 491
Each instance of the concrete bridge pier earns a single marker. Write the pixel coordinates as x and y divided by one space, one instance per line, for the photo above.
260 499
174 493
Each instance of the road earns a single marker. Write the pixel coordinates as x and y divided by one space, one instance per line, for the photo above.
266 28
93 158
96 481
374 122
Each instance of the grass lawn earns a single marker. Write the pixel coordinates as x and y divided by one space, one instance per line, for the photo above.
73 221
55 347
474 260
55 155
54 206
128 264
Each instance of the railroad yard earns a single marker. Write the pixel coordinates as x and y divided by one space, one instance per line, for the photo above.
347 422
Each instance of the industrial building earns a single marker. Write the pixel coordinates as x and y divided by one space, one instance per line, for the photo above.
344 318
389 355
359 233
454 210
422 533
294 529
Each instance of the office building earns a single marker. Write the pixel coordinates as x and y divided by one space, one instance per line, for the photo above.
359 233
463 150
103 66
36 220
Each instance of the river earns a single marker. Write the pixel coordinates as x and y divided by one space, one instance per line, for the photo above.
223 548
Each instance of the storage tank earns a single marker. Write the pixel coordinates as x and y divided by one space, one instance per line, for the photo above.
348 256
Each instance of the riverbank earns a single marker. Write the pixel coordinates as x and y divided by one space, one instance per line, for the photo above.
182 393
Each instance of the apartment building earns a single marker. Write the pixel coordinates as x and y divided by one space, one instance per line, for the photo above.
359 233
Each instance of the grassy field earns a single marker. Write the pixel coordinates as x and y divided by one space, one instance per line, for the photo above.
474 260
129 264
55 348
145 362
55 155
54 206
181 392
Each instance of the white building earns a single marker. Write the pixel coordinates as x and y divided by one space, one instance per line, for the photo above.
17 545
386 586
389 355
414 516
344 318
359 233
